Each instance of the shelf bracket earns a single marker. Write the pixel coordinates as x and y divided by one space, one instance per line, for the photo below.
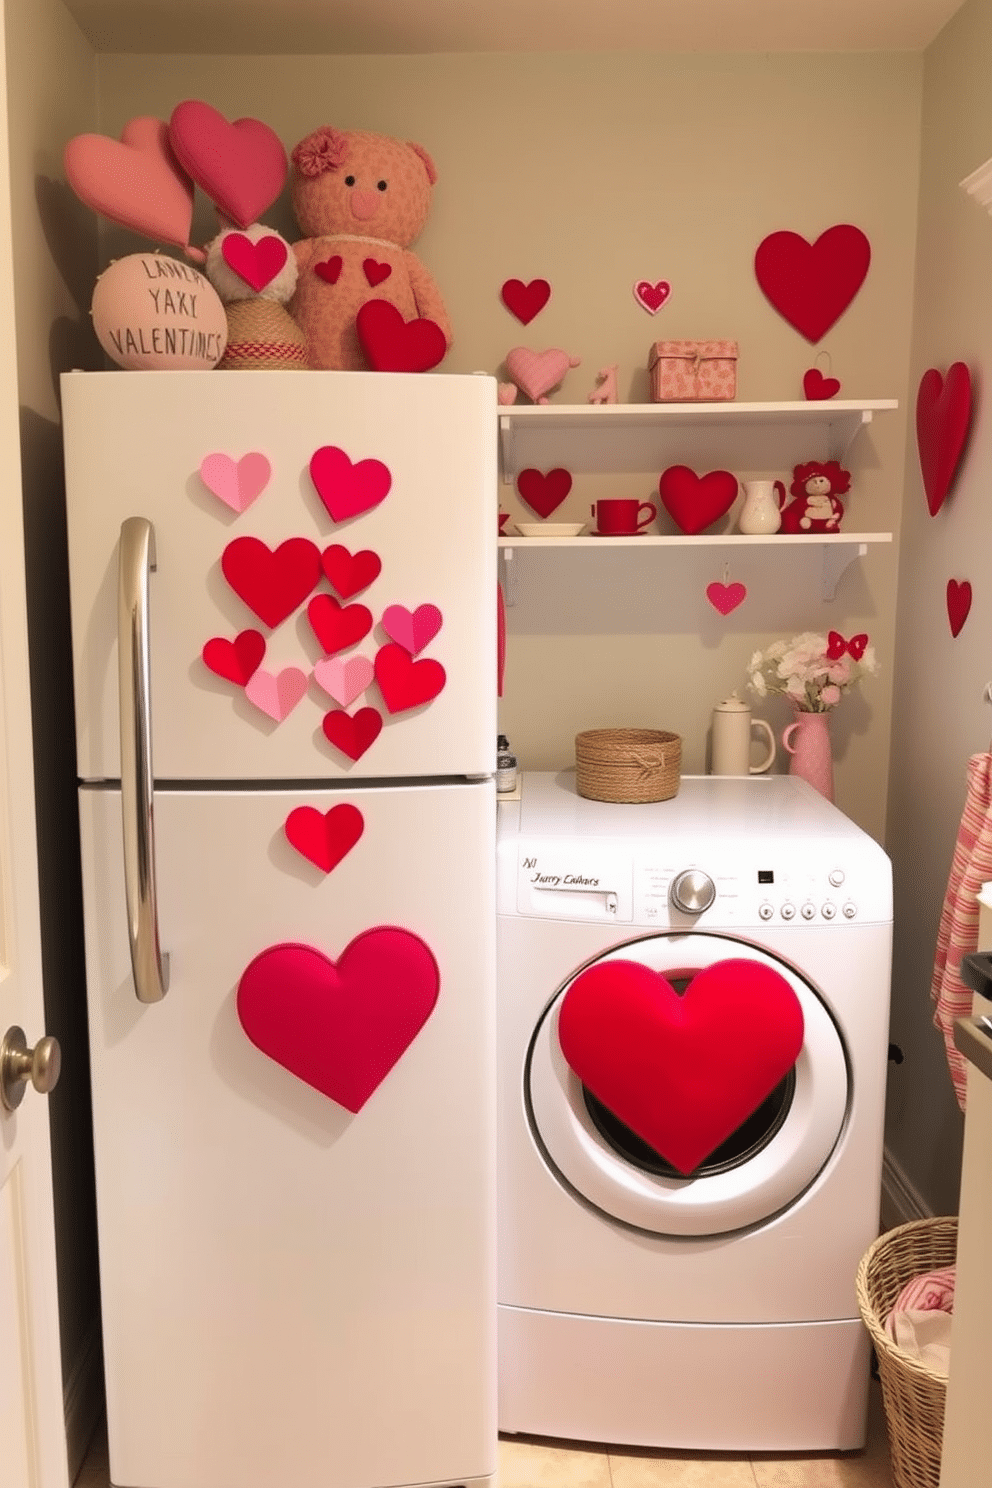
837 559
508 575
845 431
506 448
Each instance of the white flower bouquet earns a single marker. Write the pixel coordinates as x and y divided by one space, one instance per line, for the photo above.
813 671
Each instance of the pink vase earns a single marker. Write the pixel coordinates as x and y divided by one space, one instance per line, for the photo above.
807 740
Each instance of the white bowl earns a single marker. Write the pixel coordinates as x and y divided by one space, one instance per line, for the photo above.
550 529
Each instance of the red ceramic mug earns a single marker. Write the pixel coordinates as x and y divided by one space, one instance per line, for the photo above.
618 516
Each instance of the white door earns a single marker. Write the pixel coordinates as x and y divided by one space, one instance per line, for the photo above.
32 1422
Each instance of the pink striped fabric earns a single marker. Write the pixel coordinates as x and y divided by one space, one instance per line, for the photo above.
957 934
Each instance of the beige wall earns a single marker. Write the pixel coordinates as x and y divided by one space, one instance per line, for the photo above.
940 717
592 172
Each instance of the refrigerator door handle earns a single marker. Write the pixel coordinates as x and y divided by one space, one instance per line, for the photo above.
136 560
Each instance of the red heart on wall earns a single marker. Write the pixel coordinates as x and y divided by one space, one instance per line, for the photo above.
812 284
324 837
271 583
544 492
943 414
816 386
352 735
350 573
340 1027
392 344
337 627
958 604
348 489
256 263
525 300
235 660
696 501
682 1072
403 682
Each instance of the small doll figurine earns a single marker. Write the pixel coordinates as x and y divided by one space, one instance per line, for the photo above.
815 488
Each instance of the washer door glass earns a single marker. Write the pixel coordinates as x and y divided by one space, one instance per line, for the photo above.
761 1169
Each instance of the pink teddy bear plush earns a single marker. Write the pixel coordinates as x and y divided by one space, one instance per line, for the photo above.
361 199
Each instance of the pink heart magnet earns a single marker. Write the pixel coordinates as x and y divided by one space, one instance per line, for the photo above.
242 167
651 296
726 597
235 660
412 631
348 489
136 180
276 694
256 263
344 678
235 482
324 837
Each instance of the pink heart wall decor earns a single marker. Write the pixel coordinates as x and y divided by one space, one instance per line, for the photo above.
350 573
726 597
537 373
405 683
682 1072
276 694
271 583
242 167
392 344
943 416
348 489
812 284
651 296
352 735
958 604
696 501
816 387
256 263
525 300
136 180
340 1027
235 660
235 482
338 626
412 630
324 837
544 491
344 679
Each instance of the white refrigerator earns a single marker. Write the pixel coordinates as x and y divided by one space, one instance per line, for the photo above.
283 591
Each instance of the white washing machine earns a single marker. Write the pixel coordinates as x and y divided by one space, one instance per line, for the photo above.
714 1311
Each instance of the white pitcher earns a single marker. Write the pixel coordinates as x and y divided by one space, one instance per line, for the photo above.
733 729
761 513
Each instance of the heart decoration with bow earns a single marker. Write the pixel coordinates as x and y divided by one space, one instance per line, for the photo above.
696 501
683 1072
812 284
838 647
943 417
958 604
324 837
392 344
544 491
525 300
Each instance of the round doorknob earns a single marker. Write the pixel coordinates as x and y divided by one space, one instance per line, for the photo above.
42 1065
693 891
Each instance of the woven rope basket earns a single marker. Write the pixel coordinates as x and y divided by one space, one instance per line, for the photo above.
627 764
263 336
913 1395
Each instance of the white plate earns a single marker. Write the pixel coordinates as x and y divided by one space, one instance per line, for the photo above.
550 529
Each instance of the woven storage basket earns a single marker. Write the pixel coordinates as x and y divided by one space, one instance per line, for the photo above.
912 1394
627 764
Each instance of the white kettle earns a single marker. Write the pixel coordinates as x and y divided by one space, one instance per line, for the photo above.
733 730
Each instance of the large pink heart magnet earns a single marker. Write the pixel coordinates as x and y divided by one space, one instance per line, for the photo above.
348 489
136 180
340 1027
242 167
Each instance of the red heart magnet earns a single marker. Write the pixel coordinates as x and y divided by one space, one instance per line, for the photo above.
256 263
696 501
545 491
352 735
726 597
241 167
235 660
812 284
271 583
943 415
350 573
392 344
337 627
682 1072
958 604
324 837
348 489
413 630
405 683
340 1027
330 269
525 300
816 387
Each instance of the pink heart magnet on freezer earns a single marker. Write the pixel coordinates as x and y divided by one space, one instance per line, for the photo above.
344 679
276 694
348 489
412 631
235 482
726 597
324 837
136 180
242 167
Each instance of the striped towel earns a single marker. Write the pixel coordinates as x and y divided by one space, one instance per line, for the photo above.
957 934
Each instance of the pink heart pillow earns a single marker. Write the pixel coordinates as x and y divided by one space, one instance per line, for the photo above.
136 180
242 167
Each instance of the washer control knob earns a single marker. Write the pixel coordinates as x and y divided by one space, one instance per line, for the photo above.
828 910
808 911
693 891
836 877
765 910
850 910
788 911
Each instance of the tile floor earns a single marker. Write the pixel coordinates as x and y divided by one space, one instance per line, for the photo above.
529 1463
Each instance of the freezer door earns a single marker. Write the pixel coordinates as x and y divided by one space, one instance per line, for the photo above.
292 1291
329 537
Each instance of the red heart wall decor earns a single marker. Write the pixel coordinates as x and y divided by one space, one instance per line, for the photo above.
271 583
650 296
545 491
525 300
696 501
348 489
337 627
353 736
943 415
242 167
392 344
350 573
726 597
958 604
682 1072
405 683
812 284
235 660
256 263
816 387
324 837
340 1027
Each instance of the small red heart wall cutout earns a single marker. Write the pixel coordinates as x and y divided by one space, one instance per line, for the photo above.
958 604
696 501
338 626
413 630
525 300
352 735
726 597
682 1072
235 660
812 284
816 387
392 344
324 837
350 573
405 683
340 1027
943 416
544 491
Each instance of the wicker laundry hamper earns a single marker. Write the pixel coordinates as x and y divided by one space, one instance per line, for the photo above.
912 1394
627 765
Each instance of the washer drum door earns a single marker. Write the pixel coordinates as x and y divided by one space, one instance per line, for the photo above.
587 1150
